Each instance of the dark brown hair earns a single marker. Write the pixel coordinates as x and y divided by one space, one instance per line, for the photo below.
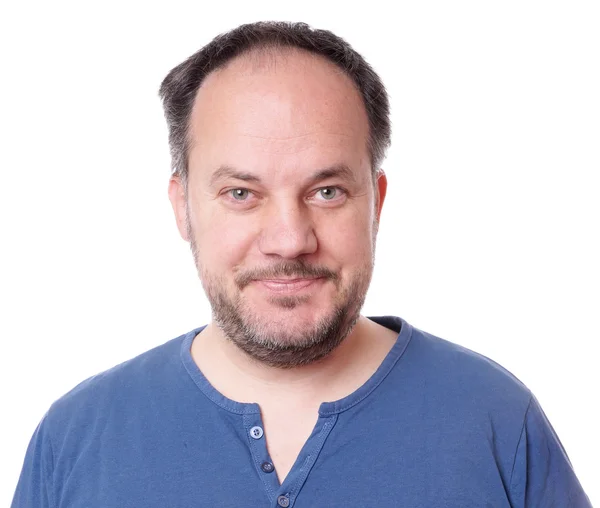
179 88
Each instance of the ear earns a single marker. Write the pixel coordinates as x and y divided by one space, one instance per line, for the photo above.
380 189
179 203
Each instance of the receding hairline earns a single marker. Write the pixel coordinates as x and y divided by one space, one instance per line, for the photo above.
267 42
267 56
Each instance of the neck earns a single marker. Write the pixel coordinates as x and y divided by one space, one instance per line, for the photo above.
239 377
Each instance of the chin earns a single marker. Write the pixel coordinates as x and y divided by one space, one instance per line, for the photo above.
286 317
288 330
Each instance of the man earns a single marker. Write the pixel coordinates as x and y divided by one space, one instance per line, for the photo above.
290 397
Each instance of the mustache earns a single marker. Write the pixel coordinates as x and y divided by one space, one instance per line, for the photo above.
299 269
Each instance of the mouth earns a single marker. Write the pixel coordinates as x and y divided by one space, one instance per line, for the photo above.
289 286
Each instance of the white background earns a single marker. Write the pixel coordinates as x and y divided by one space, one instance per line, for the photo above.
489 235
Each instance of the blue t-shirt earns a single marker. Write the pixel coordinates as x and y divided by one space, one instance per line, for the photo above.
436 426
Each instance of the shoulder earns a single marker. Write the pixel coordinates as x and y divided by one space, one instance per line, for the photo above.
469 373
117 389
433 355
463 363
104 412
454 377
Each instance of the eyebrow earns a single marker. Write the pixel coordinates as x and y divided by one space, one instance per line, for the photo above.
335 171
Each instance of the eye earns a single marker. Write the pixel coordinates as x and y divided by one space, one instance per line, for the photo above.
332 194
239 194
328 193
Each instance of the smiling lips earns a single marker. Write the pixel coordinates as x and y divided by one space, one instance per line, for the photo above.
288 285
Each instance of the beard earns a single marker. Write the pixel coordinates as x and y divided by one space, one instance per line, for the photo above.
271 340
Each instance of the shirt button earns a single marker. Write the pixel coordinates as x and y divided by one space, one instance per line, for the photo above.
256 432
267 467
283 501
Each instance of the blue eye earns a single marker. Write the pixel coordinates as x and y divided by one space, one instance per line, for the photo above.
328 193
239 194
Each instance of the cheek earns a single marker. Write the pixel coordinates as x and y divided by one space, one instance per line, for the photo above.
226 240
348 242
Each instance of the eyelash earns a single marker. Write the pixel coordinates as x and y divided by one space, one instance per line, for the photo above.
340 189
229 192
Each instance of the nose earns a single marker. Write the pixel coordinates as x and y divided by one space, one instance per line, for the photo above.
287 231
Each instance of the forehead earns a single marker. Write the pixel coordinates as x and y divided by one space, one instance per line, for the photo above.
278 105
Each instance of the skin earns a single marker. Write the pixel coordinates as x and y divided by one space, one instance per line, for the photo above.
282 212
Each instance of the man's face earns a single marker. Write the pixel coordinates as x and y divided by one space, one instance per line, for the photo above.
281 209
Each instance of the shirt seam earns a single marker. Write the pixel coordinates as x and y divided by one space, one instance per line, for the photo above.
50 488
377 383
512 471
200 381
305 470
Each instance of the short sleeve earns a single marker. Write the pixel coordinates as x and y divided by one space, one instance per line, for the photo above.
34 489
542 473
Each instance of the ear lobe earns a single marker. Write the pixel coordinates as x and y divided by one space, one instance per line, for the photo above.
179 203
380 189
